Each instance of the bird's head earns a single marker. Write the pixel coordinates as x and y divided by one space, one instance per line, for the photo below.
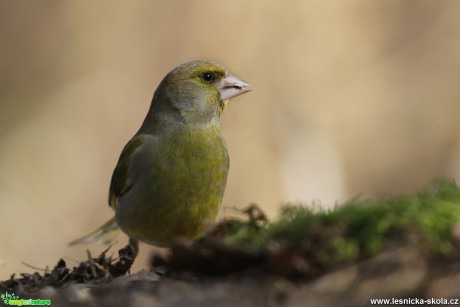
198 91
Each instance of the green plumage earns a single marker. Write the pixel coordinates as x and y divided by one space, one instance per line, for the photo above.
171 176
182 178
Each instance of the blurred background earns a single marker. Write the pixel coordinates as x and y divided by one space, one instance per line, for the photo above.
349 98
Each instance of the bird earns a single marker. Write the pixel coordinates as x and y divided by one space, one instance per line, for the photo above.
171 176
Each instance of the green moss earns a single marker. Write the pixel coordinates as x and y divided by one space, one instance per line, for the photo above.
360 228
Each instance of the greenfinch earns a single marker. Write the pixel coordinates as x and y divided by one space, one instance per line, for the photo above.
171 176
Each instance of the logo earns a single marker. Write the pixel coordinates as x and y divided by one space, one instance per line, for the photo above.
13 300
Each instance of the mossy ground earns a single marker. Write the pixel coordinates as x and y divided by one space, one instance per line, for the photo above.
361 228
303 243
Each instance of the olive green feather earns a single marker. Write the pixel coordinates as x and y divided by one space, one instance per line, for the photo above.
171 176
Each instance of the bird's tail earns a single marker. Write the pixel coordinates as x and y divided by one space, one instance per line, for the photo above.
105 234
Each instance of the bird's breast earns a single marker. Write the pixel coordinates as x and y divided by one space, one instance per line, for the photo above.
180 186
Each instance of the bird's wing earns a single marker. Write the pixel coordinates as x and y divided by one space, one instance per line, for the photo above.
121 181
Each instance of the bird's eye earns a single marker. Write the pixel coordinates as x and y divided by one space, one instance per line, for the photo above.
207 77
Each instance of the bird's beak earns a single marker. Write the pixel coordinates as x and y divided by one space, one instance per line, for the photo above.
231 86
